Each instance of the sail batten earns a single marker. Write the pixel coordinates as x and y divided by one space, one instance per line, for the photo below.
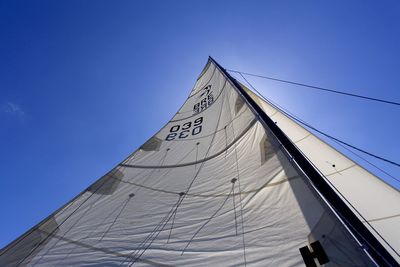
215 186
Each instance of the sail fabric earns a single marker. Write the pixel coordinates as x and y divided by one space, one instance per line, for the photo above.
375 202
212 187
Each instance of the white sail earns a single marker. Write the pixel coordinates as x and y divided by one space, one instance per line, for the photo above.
212 187
374 201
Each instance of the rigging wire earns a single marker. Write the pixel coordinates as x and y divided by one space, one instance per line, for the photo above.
367 161
207 221
318 88
148 241
85 237
234 205
338 143
160 227
323 133
173 220
116 218
59 225
240 190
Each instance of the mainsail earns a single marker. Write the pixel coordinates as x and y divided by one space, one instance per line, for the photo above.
218 186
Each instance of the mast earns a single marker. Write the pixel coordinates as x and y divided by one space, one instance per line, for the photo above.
217 185
374 248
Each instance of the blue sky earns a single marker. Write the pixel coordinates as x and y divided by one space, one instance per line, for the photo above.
84 83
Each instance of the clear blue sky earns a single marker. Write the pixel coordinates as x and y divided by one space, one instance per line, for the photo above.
84 83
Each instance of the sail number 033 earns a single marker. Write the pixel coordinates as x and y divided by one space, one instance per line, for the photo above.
186 129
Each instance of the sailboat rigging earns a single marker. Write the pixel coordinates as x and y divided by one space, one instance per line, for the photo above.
230 180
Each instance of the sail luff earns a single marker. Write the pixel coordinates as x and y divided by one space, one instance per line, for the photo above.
358 229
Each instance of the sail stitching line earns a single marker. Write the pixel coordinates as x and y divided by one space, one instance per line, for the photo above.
367 161
341 170
383 218
148 176
159 166
273 114
251 124
213 195
93 248
150 188
118 254
301 139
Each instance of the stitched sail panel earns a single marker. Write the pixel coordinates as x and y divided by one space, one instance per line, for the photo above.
212 187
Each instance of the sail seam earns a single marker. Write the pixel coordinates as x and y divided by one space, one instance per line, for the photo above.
93 248
339 171
382 218
211 195
301 139
251 124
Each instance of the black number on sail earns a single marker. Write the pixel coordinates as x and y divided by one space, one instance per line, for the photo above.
184 131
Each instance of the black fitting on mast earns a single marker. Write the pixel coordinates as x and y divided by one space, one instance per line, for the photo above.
375 249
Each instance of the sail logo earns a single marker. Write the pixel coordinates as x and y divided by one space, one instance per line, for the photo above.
205 99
